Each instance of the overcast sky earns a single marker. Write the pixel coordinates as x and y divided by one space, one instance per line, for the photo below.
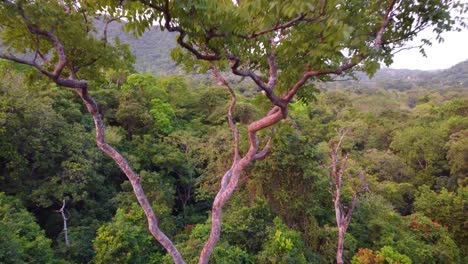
439 56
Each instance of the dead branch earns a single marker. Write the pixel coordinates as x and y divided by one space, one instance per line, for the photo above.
235 132
65 219
336 172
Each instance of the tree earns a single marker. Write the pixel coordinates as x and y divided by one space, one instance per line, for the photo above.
279 46
63 30
337 173
457 155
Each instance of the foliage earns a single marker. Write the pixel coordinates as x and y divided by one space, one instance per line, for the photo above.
173 131
180 169
447 209
125 240
21 238
247 226
385 255
224 252
283 246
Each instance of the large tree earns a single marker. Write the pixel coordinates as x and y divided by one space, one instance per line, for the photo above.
282 46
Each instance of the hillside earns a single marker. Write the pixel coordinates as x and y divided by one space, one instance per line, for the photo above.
152 50
401 79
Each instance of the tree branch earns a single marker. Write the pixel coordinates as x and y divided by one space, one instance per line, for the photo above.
232 125
134 179
231 178
278 26
65 219
267 88
383 26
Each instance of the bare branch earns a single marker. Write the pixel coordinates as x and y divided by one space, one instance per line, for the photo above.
349 212
134 179
232 125
343 212
406 48
65 219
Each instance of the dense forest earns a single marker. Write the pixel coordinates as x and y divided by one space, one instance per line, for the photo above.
390 152
411 144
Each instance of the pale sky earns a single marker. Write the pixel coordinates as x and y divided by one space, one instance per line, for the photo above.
439 56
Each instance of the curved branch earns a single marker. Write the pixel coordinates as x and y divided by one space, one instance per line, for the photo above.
232 125
81 87
134 179
262 154
231 179
62 59
267 88
194 51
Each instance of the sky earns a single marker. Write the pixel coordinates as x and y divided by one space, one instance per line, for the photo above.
439 56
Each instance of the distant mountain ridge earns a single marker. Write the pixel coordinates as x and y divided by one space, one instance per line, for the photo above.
456 75
152 52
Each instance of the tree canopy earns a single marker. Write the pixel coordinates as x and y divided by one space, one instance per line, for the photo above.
284 48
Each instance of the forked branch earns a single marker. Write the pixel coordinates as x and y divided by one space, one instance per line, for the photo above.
231 178
336 172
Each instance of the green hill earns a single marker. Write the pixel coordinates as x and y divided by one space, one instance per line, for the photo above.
152 50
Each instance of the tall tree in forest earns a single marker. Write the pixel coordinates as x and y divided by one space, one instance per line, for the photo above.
336 174
281 46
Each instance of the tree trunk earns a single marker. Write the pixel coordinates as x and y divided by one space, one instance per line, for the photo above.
339 250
